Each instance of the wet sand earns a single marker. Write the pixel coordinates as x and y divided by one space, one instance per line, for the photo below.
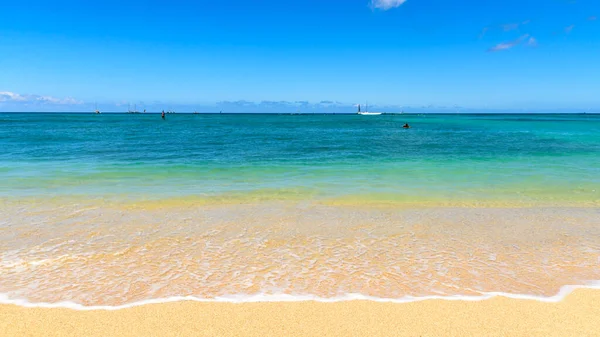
114 255
577 315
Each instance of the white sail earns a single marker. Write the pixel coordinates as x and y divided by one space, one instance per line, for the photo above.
366 112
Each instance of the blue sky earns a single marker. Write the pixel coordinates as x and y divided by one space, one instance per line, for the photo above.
268 55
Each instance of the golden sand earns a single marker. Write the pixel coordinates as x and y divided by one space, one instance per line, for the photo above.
98 255
577 315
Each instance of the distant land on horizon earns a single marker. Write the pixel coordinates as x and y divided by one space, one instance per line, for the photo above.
463 112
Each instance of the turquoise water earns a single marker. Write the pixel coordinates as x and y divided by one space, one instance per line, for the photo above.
121 209
521 158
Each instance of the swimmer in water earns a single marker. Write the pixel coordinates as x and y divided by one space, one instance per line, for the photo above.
162 115
406 126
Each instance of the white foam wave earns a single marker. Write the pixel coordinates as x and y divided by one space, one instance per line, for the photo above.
238 299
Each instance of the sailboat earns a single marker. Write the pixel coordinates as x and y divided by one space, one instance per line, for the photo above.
366 112
96 111
134 111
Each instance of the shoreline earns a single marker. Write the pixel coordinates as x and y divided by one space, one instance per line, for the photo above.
95 256
575 315
563 293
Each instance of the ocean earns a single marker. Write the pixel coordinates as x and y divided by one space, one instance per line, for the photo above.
116 209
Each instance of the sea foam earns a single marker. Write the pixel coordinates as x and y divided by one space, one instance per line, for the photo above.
265 298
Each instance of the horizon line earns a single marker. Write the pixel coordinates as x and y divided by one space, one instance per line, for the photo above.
507 112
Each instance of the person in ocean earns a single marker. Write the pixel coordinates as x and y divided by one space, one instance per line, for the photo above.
406 126
163 114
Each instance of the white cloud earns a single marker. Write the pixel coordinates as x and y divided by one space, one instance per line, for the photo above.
502 46
11 97
569 29
508 45
532 42
483 32
386 4
510 26
7 96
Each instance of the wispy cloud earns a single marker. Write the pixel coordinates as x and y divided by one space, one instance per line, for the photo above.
592 18
502 46
507 27
483 32
324 106
7 96
532 42
11 97
510 26
569 29
508 45
386 4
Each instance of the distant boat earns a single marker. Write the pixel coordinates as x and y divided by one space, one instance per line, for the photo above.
366 112
97 111
134 111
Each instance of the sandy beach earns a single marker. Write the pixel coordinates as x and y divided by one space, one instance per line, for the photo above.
106 211
577 315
